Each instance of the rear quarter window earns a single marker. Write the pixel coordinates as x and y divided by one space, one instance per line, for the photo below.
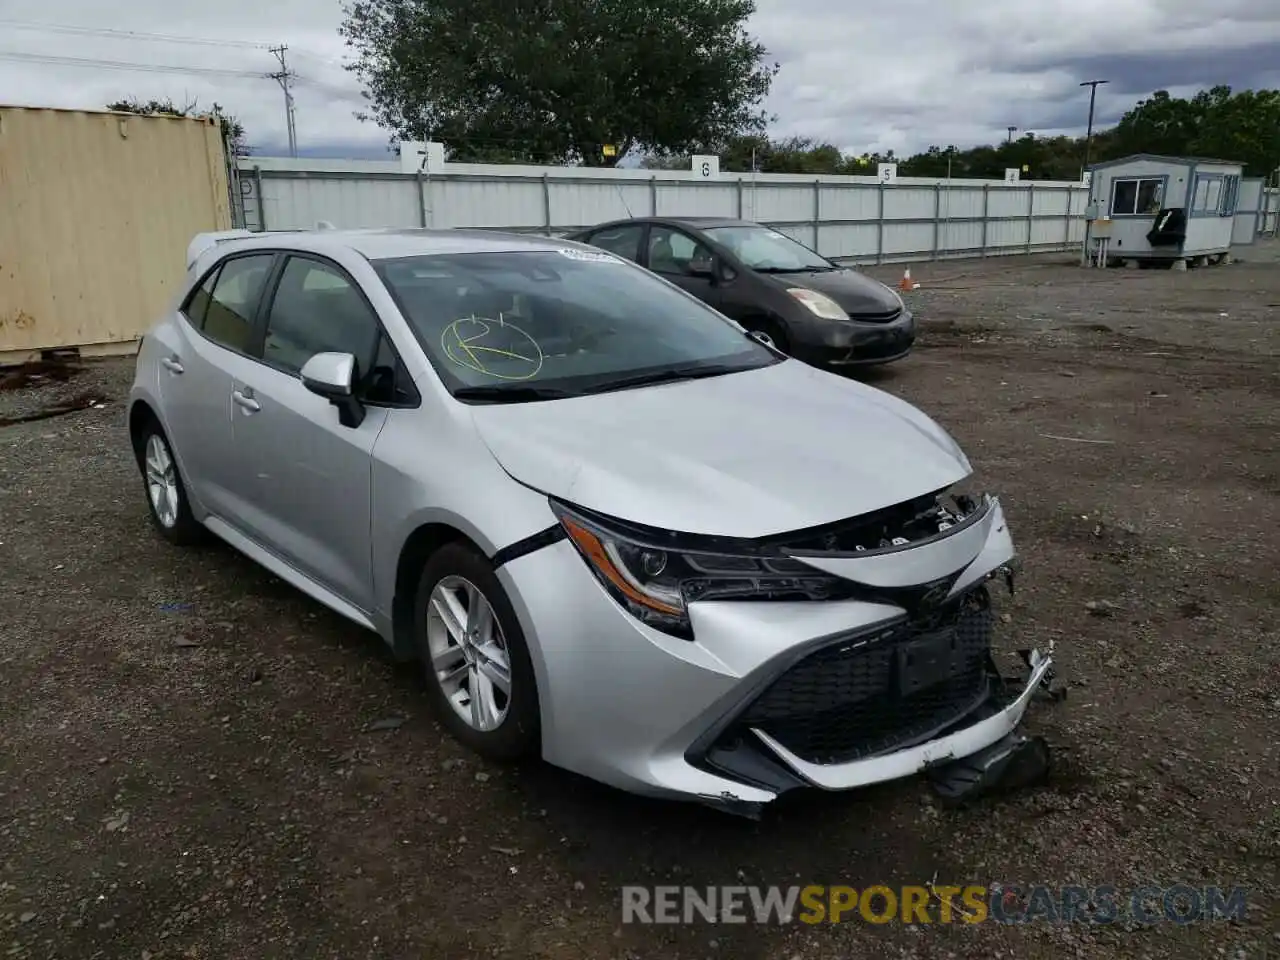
198 302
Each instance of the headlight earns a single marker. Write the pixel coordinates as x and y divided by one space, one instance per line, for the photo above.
656 582
819 304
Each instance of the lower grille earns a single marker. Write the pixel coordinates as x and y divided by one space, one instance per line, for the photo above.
881 692
886 316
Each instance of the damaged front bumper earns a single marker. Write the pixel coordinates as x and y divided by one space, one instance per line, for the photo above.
769 697
903 763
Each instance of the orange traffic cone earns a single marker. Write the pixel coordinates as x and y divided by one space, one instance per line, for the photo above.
906 283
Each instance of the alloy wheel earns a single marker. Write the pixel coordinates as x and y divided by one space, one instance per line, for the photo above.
162 481
468 653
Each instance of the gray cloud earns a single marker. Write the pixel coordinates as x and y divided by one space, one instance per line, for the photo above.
904 75
897 76
1137 74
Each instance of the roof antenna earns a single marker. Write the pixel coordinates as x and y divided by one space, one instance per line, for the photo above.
324 225
625 206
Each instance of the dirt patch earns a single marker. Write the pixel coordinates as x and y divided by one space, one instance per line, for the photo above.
81 401
196 761
40 373
56 387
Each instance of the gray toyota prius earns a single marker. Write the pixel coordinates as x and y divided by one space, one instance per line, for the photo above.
777 288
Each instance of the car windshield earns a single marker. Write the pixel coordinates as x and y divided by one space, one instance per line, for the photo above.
767 251
545 324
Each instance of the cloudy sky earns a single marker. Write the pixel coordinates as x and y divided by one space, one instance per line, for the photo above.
869 76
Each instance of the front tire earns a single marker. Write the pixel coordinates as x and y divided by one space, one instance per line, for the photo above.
479 676
166 493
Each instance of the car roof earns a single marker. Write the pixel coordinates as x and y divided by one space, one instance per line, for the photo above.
385 244
697 223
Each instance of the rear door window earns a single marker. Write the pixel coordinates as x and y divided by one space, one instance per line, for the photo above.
228 319
623 240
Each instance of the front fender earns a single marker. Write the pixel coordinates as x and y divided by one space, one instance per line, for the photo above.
431 467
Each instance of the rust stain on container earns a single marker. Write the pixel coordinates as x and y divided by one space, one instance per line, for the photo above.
20 320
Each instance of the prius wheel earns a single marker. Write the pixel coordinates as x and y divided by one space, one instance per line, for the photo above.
166 495
479 675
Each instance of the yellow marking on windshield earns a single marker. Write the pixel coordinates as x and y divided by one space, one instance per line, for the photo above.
467 348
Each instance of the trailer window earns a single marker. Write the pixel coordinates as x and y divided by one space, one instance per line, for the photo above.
1230 196
1207 198
1135 196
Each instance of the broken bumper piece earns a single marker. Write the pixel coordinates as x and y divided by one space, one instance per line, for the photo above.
1011 762
961 763
905 762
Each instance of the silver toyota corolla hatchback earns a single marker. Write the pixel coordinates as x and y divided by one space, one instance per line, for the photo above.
616 530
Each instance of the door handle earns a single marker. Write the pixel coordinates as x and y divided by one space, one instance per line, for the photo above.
172 364
245 403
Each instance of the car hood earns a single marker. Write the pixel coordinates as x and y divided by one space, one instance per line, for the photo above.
749 454
854 292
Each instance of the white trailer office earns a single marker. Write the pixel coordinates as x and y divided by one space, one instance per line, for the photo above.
1172 208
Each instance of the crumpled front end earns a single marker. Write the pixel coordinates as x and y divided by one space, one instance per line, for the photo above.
908 693
876 705
884 671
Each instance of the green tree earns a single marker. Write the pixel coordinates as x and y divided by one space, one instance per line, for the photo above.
1161 124
558 80
763 155
1218 123
232 130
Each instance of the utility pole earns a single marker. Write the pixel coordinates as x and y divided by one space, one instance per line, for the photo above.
282 77
1088 144
1012 131
1088 137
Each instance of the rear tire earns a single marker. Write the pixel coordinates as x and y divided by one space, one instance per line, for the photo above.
166 493
479 675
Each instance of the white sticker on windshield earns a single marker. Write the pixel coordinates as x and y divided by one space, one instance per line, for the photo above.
589 256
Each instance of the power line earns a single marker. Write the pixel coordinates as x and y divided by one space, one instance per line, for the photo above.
131 34
327 61
285 77
340 93
124 65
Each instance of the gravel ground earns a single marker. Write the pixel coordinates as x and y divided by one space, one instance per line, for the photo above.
196 761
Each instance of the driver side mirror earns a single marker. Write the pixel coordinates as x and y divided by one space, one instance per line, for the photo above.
333 376
702 267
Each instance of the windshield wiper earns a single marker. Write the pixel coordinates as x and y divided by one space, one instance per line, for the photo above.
513 394
670 375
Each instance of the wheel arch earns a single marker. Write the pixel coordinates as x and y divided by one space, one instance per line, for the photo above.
771 322
418 547
423 542
141 414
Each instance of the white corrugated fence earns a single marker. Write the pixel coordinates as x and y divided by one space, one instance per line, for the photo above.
855 218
